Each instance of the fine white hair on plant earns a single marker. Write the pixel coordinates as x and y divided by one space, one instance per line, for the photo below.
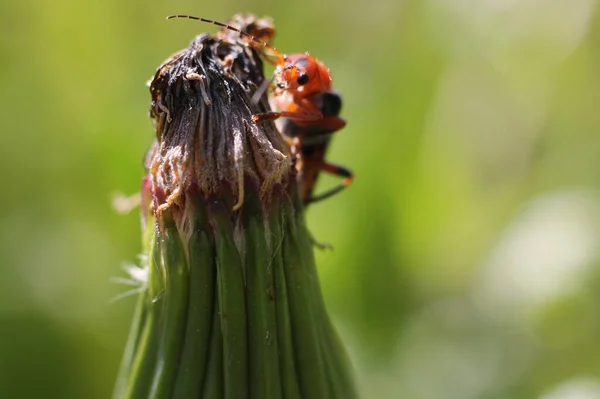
138 278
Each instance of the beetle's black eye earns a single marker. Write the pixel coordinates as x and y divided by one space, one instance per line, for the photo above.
303 79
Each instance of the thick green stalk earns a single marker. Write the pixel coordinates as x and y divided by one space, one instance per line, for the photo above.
232 307
176 275
305 317
213 382
144 360
262 316
333 353
200 312
287 359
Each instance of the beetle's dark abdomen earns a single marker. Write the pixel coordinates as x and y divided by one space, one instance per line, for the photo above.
330 104
316 136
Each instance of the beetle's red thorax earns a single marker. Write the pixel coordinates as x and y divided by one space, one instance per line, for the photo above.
303 75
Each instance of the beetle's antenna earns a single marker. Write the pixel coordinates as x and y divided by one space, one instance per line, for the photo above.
266 45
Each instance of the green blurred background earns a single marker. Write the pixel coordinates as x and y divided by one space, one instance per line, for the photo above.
466 260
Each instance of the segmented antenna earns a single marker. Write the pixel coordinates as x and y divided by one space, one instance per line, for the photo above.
266 45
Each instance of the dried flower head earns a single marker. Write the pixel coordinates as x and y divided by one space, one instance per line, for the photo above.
201 102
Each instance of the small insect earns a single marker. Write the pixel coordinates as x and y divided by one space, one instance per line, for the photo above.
302 91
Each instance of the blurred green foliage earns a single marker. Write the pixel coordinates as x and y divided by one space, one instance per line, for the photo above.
466 258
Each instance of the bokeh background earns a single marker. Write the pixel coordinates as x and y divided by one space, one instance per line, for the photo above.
466 260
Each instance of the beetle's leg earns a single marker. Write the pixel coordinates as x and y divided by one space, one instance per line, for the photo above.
333 169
